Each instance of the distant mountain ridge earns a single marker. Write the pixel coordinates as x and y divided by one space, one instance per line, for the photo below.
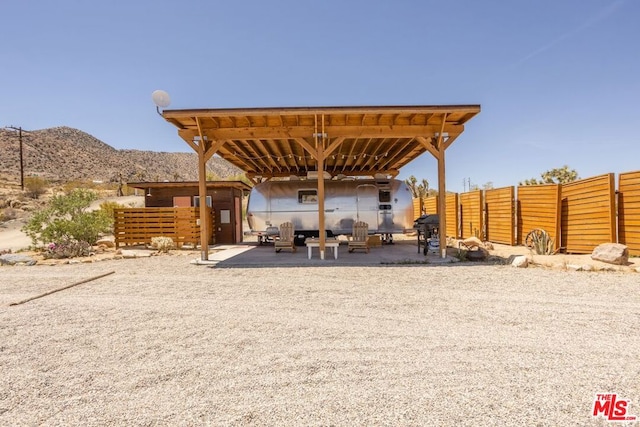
63 154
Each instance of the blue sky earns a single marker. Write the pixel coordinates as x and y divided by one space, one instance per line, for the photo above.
558 80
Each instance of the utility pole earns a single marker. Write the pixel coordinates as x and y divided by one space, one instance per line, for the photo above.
19 129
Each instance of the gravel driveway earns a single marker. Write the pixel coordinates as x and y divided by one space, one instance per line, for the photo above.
163 342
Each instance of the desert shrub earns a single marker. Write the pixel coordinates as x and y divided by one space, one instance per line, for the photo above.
68 249
109 207
66 218
8 214
162 243
35 186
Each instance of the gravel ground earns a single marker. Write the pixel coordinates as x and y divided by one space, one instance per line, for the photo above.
163 342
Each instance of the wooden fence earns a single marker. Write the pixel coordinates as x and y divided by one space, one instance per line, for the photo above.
431 207
629 211
588 213
499 215
134 226
471 218
578 216
539 208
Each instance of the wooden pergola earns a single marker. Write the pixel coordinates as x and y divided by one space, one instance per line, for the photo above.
349 141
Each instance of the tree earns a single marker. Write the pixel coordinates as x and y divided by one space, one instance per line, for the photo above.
561 175
419 191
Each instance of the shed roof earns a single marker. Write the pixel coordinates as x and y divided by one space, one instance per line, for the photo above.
239 185
279 142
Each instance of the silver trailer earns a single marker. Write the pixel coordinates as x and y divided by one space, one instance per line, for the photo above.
385 204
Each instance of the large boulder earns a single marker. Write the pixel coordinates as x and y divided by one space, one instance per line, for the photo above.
16 259
613 253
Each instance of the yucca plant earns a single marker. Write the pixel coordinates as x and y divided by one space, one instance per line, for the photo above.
540 241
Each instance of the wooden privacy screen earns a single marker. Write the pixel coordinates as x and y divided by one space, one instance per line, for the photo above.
471 215
588 213
500 218
629 211
431 205
452 215
138 225
416 207
539 207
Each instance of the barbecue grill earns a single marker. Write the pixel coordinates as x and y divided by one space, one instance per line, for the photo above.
428 235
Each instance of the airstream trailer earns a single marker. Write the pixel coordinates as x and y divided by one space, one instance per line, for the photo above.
385 204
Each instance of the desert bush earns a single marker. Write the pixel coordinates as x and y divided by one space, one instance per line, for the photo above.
162 243
8 214
66 218
35 186
68 249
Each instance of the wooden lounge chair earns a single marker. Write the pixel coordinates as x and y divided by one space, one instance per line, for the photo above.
359 237
285 238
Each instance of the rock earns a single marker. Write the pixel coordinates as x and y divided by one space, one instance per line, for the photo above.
472 242
574 267
13 259
612 253
477 255
134 253
520 261
587 267
488 246
109 243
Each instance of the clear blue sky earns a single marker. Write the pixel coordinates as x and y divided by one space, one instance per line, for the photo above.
558 80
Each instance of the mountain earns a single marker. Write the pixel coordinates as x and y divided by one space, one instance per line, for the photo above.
63 154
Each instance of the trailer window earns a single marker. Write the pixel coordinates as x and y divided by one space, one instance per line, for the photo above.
384 196
308 196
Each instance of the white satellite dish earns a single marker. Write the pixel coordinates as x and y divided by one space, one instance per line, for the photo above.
161 98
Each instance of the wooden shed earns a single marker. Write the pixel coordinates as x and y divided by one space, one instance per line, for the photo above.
225 198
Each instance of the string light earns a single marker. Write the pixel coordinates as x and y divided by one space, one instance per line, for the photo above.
291 156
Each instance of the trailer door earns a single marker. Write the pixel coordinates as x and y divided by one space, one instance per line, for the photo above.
367 204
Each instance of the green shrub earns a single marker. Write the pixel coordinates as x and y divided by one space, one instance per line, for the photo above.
35 186
66 218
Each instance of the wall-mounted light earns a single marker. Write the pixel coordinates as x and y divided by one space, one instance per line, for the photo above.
148 192
161 99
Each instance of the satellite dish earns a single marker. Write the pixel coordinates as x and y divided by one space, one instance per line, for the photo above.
161 98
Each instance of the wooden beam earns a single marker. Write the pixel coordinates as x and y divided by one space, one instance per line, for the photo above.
295 132
308 147
428 145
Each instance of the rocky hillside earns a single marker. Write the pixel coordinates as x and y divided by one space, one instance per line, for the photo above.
65 154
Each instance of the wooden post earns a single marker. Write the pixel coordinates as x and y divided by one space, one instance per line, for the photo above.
202 194
320 159
442 199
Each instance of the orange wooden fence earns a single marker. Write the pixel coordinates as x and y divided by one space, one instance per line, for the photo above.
629 211
578 216
431 205
500 215
452 217
471 215
588 215
539 207
133 226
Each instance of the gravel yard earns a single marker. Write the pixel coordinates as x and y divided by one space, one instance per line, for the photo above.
164 342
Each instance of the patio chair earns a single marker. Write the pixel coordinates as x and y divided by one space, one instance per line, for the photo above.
359 237
285 238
